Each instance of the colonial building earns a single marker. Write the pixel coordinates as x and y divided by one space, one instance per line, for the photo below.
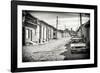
84 32
36 31
31 27
46 31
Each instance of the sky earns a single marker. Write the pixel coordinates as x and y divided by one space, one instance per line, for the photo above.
65 20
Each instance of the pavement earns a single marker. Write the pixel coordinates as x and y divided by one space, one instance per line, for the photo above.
50 51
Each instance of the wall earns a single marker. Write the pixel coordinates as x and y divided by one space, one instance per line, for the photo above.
5 50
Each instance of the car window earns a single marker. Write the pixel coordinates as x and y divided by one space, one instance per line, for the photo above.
79 47
77 41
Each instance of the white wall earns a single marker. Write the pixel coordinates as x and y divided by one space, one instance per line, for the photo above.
5 32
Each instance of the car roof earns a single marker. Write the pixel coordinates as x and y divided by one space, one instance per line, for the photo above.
76 38
78 44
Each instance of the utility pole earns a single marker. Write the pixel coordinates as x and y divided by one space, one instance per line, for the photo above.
65 31
65 27
81 23
56 26
71 32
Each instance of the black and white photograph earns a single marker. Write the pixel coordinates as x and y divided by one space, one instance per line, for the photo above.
54 36
51 36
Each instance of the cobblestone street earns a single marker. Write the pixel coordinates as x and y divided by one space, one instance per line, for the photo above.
50 51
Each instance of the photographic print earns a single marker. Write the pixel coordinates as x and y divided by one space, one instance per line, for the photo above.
50 36
54 36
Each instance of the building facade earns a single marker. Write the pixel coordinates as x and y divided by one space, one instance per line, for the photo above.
84 32
36 31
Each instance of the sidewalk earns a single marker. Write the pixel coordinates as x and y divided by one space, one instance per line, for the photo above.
50 46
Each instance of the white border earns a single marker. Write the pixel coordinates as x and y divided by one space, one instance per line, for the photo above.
53 63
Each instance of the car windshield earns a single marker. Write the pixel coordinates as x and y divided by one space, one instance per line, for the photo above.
77 41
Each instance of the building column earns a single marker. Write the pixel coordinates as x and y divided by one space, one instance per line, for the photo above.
46 33
40 32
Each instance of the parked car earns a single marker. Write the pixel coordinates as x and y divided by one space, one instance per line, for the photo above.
77 45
